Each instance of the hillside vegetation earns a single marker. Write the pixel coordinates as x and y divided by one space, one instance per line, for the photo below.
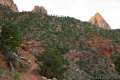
78 50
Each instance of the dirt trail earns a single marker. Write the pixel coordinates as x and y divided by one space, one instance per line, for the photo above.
27 51
29 75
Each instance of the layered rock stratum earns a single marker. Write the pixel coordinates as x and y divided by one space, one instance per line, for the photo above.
99 21
10 4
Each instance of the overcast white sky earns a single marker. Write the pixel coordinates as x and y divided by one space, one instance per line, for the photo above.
80 9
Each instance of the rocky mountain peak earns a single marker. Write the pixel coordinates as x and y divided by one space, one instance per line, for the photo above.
10 4
99 21
39 9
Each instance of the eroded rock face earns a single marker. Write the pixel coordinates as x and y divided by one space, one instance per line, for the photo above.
99 21
39 9
10 4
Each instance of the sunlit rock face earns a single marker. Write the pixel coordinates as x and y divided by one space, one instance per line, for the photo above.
99 21
39 9
10 4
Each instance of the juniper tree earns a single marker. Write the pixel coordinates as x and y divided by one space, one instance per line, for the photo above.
10 40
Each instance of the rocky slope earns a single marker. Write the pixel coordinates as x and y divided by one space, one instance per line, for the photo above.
10 4
89 51
99 21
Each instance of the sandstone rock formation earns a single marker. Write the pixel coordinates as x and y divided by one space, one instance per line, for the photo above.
99 21
39 9
10 4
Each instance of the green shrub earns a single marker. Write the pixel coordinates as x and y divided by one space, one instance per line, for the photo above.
2 72
116 61
16 76
52 63
21 67
10 40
